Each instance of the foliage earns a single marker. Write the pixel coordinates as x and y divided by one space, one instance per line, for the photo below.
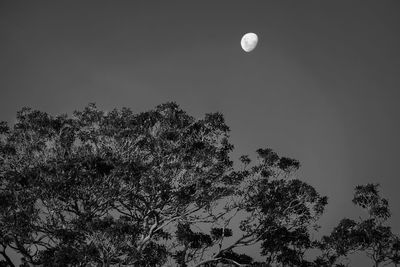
370 235
159 188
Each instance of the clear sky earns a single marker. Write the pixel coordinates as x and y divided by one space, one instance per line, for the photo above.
322 86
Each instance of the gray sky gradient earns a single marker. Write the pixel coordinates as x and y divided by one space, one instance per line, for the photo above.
322 86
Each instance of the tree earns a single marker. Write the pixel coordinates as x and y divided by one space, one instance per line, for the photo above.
148 189
104 187
370 235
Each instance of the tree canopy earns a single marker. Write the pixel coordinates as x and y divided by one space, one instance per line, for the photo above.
159 188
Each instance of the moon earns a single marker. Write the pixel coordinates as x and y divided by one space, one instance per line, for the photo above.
249 41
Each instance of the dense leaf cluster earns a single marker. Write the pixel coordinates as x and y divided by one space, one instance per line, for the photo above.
158 188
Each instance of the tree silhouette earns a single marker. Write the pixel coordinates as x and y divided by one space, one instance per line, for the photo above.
158 188
371 235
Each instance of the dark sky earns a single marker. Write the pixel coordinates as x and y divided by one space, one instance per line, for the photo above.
322 86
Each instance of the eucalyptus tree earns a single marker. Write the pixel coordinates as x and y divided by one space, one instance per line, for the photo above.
370 235
149 189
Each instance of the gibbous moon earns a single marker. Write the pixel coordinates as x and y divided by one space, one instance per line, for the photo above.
249 41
